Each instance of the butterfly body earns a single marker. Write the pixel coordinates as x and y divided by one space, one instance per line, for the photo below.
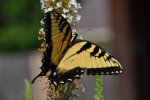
67 58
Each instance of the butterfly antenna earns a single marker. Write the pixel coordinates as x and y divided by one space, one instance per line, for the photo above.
85 31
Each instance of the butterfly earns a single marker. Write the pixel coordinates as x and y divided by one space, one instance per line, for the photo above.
67 58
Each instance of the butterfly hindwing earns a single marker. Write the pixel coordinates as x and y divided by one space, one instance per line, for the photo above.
84 56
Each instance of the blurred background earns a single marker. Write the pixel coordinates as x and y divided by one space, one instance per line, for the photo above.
119 26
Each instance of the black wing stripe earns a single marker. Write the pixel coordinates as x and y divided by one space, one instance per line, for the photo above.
67 32
95 51
109 57
84 47
47 21
61 21
101 54
62 26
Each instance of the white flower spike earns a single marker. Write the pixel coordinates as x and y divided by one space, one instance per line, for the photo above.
59 4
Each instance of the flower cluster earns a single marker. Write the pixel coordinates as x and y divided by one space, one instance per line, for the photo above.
68 8
65 92
41 37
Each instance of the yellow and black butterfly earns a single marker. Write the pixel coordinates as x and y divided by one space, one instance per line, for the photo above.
67 58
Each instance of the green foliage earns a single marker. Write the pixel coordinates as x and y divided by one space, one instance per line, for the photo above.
20 22
99 88
28 92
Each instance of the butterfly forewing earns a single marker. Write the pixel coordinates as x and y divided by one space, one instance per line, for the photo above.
60 35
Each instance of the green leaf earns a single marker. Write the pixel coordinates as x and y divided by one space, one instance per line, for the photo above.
28 92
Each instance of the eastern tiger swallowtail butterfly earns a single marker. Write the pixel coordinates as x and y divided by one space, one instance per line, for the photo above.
67 58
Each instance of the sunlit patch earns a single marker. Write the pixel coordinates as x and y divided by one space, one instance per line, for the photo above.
62 82
105 57
117 72
82 71
55 83
81 75
121 71
112 72
106 54
69 79
77 76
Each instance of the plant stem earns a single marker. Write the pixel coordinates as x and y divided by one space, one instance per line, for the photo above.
99 88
